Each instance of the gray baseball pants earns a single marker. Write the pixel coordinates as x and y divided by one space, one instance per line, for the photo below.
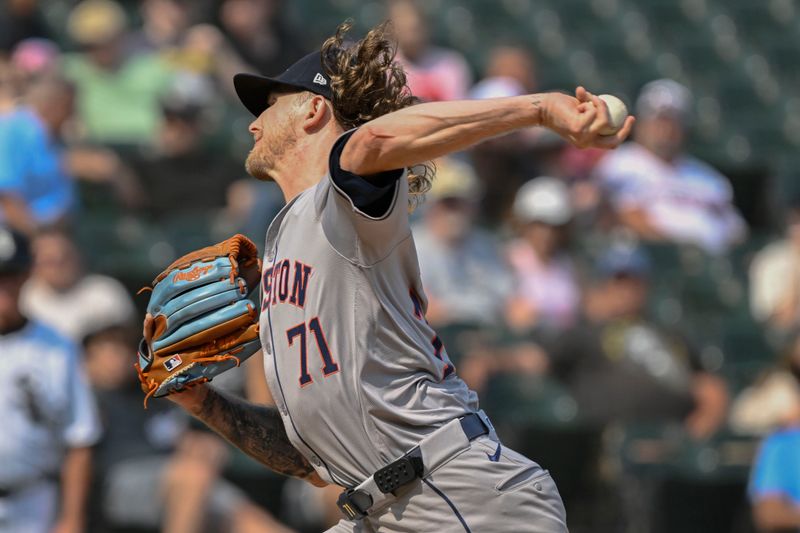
484 488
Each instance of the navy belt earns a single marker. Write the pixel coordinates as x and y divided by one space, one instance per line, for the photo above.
355 503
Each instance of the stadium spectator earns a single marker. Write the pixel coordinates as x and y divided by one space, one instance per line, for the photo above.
250 206
35 57
465 279
547 293
433 73
659 191
510 71
153 471
258 34
118 94
774 482
63 296
49 416
20 20
620 366
164 23
35 188
205 49
179 169
516 157
775 278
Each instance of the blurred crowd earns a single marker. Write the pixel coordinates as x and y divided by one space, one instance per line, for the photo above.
622 321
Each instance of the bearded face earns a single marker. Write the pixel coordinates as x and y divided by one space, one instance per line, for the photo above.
274 134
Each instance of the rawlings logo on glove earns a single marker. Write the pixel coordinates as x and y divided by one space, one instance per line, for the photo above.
193 275
199 320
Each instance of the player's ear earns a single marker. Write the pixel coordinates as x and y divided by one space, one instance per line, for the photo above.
315 114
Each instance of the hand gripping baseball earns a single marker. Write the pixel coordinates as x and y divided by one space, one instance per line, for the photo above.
583 120
199 320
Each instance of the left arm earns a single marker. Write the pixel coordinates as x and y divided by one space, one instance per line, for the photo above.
75 478
424 132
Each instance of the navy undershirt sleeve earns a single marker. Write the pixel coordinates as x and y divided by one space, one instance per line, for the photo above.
372 195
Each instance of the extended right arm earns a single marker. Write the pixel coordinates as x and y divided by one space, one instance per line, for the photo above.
423 132
255 429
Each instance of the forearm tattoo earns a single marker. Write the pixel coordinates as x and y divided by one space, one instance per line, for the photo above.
255 429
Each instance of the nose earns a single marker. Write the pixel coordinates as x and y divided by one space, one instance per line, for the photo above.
254 127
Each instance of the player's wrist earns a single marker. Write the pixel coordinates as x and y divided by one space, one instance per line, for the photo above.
191 399
536 107
546 111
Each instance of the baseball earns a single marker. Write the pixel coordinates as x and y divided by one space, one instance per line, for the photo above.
617 113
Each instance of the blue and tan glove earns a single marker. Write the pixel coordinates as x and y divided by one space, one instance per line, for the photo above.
199 320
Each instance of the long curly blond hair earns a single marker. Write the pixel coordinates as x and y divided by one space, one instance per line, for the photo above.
366 82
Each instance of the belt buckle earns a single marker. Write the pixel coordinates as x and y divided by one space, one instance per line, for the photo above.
396 474
354 503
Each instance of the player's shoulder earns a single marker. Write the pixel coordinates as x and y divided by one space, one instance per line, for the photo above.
318 195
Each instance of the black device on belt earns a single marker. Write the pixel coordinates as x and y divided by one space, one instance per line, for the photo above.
355 503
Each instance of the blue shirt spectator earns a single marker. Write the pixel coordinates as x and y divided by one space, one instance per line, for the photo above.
776 472
32 167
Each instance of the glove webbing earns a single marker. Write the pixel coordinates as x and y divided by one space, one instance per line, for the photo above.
153 385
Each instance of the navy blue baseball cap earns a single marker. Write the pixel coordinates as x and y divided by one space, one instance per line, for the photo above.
15 252
306 74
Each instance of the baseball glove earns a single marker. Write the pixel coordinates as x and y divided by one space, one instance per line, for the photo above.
199 320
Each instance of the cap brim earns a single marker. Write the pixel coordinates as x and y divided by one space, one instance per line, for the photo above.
253 91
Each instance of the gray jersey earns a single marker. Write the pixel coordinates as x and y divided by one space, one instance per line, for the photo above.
355 370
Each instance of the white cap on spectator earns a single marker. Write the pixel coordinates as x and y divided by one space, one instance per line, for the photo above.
497 87
664 97
543 199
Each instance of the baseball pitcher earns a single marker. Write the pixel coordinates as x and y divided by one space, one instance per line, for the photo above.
365 395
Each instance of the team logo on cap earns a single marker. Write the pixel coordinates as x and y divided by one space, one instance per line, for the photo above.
320 80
